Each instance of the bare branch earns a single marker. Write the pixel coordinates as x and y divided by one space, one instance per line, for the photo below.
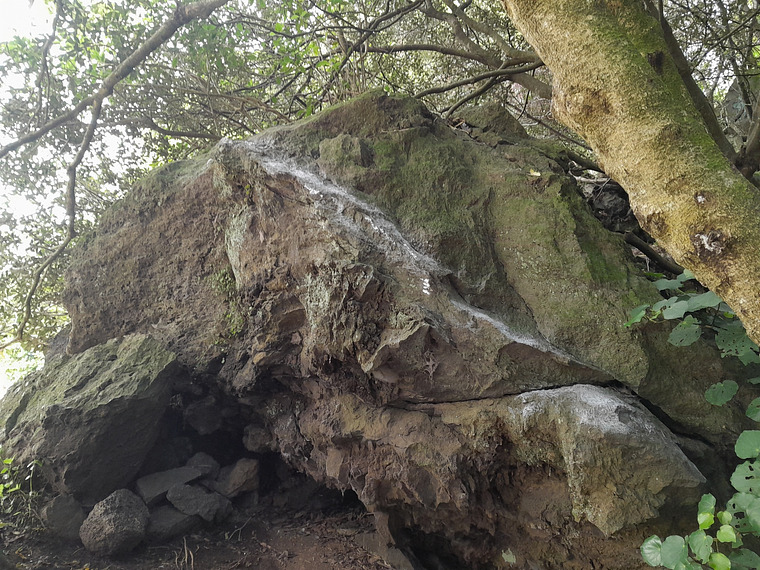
487 75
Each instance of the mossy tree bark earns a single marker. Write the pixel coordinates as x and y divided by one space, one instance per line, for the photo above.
617 86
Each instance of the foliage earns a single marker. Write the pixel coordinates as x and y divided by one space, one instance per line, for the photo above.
718 540
18 496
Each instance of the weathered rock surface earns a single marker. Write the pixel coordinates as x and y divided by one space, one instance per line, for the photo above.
192 500
90 418
430 321
242 477
152 488
116 524
63 516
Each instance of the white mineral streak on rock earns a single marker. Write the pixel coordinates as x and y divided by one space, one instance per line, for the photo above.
340 204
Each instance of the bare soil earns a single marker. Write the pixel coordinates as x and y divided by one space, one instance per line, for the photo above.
264 537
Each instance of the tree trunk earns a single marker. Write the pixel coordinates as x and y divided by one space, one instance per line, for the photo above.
617 86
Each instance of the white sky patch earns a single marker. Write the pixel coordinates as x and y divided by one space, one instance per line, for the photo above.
22 19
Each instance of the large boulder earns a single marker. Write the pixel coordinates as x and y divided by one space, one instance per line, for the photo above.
431 321
90 419
117 524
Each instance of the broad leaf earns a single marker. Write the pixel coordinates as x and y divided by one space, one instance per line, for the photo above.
674 551
707 503
704 301
719 561
753 410
676 311
651 550
701 545
748 444
746 478
745 558
726 533
686 333
720 393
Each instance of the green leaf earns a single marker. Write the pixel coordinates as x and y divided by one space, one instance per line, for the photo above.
753 410
732 340
686 333
707 503
667 284
748 444
725 517
676 311
687 275
719 561
701 545
753 380
746 478
726 533
651 550
745 558
635 315
705 520
722 392
704 301
674 550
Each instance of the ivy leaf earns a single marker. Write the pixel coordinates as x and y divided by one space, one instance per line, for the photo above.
705 520
748 444
726 533
719 561
732 340
674 551
722 392
686 333
636 315
701 545
704 301
753 410
707 503
725 517
746 478
676 311
651 550
745 558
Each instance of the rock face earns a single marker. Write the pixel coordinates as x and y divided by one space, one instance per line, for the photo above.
91 418
116 524
427 319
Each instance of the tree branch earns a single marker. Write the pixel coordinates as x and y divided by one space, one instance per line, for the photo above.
182 15
487 75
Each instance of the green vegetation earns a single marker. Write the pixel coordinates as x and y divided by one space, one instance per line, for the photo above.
719 539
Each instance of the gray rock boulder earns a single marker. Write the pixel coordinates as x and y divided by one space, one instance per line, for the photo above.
91 417
204 463
117 524
63 516
152 488
242 477
192 500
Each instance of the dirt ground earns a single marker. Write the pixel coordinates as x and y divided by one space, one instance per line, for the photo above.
323 535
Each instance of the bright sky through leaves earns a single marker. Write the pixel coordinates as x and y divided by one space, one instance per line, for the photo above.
21 19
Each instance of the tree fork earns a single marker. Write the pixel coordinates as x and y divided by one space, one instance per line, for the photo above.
617 86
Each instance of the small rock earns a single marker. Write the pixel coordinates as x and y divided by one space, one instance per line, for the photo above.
204 463
167 522
152 488
116 524
191 500
63 516
239 478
